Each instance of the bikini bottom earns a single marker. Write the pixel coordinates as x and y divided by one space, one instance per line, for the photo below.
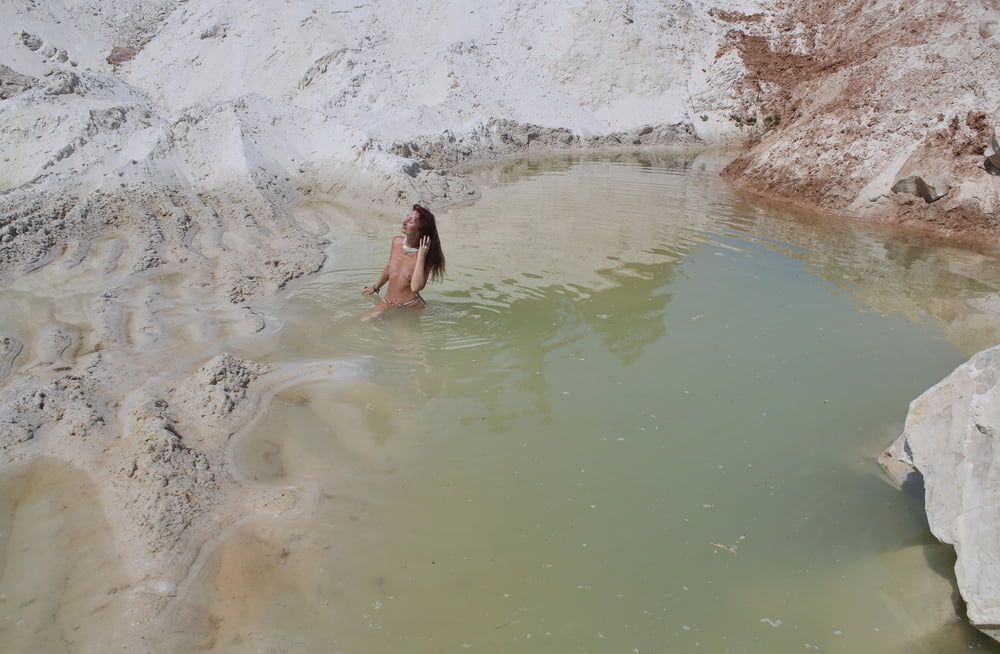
416 299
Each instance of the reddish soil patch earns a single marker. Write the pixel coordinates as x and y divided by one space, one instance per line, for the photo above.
837 91
735 16
119 55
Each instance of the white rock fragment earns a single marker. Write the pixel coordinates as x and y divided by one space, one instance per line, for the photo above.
951 431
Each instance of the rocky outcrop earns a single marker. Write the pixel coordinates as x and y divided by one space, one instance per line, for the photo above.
992 163
499 137
928 191
879 110
950 438
13 83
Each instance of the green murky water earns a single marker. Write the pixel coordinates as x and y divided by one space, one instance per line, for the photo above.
640 415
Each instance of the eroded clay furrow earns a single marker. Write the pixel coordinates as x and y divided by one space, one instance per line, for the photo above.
53 345
77 253
10 349
111 256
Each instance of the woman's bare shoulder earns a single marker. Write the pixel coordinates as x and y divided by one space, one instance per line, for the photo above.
397 238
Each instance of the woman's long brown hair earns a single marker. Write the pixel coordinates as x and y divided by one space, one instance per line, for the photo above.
434 261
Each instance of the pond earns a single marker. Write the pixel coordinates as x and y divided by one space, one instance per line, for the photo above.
641 414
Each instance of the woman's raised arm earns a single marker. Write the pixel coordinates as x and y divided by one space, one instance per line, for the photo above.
419 278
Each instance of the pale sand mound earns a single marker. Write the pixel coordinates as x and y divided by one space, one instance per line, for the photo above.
159 454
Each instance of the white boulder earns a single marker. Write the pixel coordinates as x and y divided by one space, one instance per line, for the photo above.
950 432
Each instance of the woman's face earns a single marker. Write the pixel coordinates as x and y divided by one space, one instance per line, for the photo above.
411 223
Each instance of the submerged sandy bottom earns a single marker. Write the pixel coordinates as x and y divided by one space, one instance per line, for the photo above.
60 578
640 415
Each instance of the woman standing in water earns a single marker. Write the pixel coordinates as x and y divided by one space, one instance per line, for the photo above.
414 258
